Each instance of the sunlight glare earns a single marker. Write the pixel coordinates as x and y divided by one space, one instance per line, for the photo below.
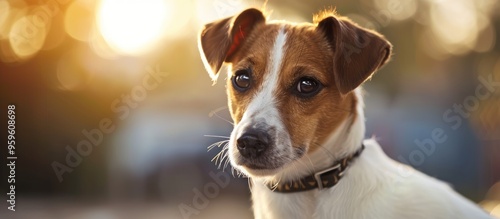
208 11
455 21
133 27
397 9
4 15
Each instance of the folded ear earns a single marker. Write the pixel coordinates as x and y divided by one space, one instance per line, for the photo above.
358 52
220 41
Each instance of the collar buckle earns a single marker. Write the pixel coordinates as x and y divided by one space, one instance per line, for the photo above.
318 175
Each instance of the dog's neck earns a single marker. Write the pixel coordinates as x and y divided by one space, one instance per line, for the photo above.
342 142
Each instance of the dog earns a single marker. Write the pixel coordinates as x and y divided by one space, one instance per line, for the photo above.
295 98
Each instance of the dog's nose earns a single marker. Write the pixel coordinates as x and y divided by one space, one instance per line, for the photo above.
253 143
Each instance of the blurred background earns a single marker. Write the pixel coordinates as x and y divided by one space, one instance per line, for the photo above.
114 110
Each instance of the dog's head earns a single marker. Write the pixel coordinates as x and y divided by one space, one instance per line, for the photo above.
289 85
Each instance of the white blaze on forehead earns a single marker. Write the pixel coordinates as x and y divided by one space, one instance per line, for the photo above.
274 66
263 104
263 109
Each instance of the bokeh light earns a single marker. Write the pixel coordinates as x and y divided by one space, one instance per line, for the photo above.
26 38
460 26
179 18
78 20
4 15
486 40
132 27
55 36
100 47
397 9
455 22
208 11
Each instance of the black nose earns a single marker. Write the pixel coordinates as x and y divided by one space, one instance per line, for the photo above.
253 143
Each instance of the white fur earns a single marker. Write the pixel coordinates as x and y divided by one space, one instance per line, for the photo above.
374 186
262 108
263 105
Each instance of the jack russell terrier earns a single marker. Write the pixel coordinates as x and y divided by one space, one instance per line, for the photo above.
295 98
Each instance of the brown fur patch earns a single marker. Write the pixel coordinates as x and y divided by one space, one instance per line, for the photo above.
310 121
254 55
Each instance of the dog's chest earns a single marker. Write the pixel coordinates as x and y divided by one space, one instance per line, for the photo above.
269 205
310 204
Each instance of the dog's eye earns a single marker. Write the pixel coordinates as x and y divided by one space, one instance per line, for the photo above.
307 87
241 79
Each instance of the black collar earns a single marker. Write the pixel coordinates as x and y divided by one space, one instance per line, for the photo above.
323 179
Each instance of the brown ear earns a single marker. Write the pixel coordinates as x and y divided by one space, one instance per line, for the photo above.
358 52
219 41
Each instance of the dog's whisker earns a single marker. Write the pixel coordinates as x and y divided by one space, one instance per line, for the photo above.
309 168
218 156
326 150
217 136
217 144
250 183
226 164
295 166
214 112
223 158
275 186
219 161
232 171
310 162
239 173
210 147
